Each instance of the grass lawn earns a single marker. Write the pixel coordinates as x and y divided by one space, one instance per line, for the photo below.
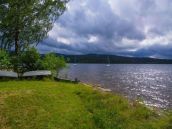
55 105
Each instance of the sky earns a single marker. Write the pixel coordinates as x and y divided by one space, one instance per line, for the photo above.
134 28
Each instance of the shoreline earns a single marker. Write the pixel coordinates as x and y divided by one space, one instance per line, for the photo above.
150 106
97 87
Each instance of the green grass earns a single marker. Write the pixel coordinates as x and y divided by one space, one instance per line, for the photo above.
55 105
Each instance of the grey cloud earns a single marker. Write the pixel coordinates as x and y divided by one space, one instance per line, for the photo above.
115 27
97 18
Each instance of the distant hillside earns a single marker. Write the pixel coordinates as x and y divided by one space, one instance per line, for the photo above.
113 59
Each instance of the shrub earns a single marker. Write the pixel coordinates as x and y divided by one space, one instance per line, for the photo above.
52 62
29 60
4 60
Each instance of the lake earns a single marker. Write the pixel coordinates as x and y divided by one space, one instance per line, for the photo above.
151 83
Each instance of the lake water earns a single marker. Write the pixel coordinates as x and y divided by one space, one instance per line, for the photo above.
152 83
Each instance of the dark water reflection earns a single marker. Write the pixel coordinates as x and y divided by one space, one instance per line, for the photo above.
151 83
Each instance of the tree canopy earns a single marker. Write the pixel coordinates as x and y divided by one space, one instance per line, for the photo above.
27 22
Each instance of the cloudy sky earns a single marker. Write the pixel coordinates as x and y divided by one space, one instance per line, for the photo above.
140 28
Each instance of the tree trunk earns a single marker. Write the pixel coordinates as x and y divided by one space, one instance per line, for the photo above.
17 42
17 50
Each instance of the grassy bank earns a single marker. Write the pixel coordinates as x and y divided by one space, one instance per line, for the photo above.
54 105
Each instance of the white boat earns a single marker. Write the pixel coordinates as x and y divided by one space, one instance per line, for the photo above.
108 61
75 61
108 65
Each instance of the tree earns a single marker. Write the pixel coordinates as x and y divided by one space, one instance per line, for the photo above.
27 22
53 62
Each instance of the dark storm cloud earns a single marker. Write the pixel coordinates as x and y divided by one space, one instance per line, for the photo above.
127 27
97 18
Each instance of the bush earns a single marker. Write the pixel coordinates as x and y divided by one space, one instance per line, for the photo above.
29 60
52 62
4 60
25 60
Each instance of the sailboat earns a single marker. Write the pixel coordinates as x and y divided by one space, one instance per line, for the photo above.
75 61
108 59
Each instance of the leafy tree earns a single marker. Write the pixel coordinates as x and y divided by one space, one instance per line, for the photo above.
4 60
53 62
27 22
29 60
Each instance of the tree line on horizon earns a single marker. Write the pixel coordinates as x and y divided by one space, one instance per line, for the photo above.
113 59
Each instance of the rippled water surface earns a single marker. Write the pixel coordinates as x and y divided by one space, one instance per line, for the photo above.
150 83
